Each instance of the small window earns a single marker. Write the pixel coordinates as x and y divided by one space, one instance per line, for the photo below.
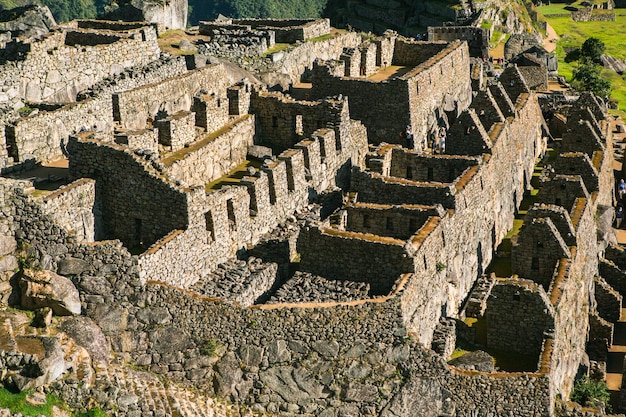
409 173
412 224
366 221
232 221
389 223
534 264
208 217
274 121
539 245
429 174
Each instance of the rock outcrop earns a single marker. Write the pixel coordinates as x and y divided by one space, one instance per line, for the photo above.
47 289
171 14
612 63
27 21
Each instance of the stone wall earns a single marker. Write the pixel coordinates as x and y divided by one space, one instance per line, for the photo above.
133 108
93 111
44 136
414 97
518 313
537 252
126 191
476 38
452 252
53 71
289 30
73 208
212 155
393 221
437 168
283 121
330 253
609 301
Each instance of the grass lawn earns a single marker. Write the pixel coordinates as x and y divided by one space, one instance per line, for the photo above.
573 34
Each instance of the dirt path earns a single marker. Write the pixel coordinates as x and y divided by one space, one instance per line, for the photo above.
549 43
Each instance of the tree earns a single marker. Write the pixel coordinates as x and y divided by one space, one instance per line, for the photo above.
592 49
587 78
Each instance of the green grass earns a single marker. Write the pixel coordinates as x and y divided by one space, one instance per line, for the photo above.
321 38
276 48
573 34
16 403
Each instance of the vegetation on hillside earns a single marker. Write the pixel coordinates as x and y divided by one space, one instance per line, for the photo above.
573 35
64 10
202 10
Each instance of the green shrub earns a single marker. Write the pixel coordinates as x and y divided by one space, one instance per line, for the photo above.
587 390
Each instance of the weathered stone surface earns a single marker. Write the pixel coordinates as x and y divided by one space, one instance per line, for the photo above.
277 351
228 374
478 360
87 334
72 266
169 339
49 365
7 245
29 21
47 289
170 14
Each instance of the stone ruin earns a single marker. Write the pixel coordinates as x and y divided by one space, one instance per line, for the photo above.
235 250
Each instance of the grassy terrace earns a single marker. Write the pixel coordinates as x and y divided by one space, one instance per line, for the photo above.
573 34
234 177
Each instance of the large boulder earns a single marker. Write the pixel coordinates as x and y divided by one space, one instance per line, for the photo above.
170 14
46 289
27 21
87 334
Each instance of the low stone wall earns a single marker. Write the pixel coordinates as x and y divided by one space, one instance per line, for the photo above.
44 136
370 186
213 155
73 208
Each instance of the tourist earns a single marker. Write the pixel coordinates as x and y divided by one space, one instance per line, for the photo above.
442 140
621 189
408 134
619 215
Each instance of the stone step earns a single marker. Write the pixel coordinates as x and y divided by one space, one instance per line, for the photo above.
154 399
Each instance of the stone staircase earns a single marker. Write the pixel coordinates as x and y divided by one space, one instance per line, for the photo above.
132 392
